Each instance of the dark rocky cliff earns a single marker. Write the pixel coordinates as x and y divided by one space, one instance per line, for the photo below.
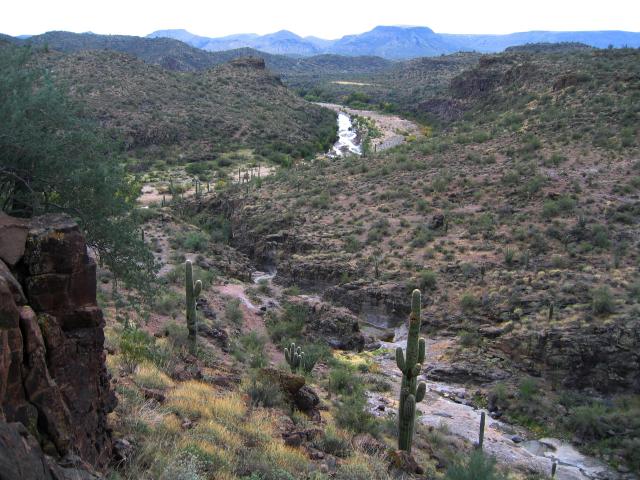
54 387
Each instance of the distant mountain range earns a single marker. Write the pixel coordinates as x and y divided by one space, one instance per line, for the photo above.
396 43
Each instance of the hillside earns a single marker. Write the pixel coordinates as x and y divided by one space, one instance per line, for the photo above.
166 115
519 221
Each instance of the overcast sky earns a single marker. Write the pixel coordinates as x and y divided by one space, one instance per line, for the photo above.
323 18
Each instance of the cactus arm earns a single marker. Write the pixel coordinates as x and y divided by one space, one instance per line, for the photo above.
400 359
421 392
422 348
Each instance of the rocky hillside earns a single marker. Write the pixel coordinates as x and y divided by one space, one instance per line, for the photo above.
173 115
54 388
520 221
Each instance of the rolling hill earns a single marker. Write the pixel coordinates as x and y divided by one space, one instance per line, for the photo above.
192 115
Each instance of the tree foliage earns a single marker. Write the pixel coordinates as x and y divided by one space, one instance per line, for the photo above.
53 158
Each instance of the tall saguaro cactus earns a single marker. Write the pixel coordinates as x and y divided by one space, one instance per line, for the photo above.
192 292
410 364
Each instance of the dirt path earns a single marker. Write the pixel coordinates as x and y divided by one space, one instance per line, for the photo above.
394 129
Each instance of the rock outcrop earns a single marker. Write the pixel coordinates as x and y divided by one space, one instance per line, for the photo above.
53 379
384 305
337 326
603 357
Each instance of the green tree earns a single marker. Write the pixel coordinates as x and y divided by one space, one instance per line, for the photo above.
54 159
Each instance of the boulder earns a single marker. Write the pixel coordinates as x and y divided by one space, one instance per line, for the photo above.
306 399
404 462
337 326
290 383
13 237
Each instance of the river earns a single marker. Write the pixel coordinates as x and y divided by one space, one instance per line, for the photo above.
348 142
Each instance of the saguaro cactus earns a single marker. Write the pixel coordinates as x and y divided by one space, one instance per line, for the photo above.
192 292
410 364
481 432
294 357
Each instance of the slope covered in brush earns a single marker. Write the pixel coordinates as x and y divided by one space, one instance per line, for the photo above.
193 115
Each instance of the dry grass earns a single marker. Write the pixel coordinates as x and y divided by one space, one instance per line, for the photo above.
149 376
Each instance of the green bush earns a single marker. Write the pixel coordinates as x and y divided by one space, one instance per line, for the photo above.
478 467
468 302
136 346
587 421
287 327
263 394
427 280
352 415
249 349
168 302
528 389
233 312
333 443
343 380
191 241
351 244
602 301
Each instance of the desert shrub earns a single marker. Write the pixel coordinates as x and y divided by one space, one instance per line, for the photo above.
427 280
148 375
263 393
634 291
602 301
587 421
600 236
421 236
334 443
288 326
478 467
468 302
351 244
509 257
353 415
527 389
233 312
176 275
191 241
168 302
470 339
313 353
343 379
136 346
249 349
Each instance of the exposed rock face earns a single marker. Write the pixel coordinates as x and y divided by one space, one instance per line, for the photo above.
338 326
53 378
604 357
377 304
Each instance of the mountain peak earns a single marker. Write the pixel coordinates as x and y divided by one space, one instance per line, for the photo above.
400 28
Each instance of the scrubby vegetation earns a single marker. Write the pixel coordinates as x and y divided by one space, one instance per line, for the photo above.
515 212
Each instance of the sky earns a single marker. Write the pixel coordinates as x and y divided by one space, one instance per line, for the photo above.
323 18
